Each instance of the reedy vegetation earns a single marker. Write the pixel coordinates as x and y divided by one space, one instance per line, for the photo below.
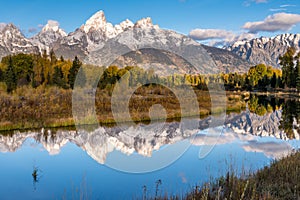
278 181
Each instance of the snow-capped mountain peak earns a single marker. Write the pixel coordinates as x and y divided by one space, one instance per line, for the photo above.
11 28
49 34
97 22
53 26
126 24
13 41
145 23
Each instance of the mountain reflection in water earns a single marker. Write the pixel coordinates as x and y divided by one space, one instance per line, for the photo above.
264 117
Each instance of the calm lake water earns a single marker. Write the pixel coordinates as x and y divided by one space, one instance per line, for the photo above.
130 162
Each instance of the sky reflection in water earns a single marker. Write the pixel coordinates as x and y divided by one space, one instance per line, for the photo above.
69 166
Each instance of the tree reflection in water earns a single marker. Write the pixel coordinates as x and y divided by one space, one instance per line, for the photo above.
290 122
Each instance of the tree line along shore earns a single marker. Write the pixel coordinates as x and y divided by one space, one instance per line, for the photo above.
36 89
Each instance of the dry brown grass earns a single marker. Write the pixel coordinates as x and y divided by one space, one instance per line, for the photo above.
52 107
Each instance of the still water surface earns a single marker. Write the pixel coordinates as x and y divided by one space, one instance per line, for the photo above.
123 163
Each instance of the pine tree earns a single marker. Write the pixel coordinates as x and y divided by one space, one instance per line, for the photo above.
45 55
53 58
62 59
287 63
74 71
1 75
58 77
274 81
42 75
49 79
10 77
298 73
33 82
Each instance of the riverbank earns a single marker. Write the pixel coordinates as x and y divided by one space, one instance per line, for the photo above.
50 107
279 94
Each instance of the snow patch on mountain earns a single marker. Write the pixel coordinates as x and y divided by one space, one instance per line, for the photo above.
13 41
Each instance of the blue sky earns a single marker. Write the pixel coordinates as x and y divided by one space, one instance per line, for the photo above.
180 15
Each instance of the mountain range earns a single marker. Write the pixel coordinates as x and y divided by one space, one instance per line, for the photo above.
265 50
142 43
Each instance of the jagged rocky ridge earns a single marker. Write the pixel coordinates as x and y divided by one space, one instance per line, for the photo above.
228 61
97 37
265 50
13 41
50 33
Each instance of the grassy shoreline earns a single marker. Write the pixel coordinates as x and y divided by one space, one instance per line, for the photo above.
69 122
51 107
279 180
279 94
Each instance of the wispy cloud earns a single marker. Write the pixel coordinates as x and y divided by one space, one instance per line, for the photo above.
203 139
33 30
272 23
283 7
277 9
286 5
219 37
261 1
248 2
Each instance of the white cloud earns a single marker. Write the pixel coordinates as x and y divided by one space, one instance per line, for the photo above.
203 139
53 23
286 5
260 1
214 138
277 9
205 34
248 2
248 142
272 23
270 149
2 25
219 37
